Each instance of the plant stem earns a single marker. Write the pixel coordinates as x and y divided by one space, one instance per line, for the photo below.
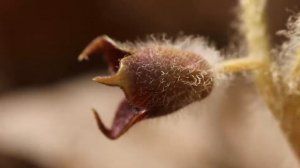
254 28
290 121
239 65
284 106
296 69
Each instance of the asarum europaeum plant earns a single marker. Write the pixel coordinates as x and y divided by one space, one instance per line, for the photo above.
159 77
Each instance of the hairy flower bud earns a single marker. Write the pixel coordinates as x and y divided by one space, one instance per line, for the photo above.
157 80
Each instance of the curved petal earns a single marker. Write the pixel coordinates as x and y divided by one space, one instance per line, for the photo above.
106 46
126 116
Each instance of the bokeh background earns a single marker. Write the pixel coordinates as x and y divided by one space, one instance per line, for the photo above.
46 94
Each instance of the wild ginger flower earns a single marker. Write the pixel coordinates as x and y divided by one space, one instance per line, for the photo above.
157 77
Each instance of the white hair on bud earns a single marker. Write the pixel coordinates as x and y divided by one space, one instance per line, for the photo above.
201 46
194 44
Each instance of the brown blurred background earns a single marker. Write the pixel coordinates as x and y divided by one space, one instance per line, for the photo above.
40 40
45 94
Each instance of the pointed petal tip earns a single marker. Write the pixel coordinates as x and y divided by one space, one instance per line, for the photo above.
82 57
104 45
113 80
107 132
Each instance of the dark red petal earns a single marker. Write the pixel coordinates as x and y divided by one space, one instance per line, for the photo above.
106 46
126 116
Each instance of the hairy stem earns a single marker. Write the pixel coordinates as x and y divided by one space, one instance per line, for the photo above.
253 26
284 105
240 64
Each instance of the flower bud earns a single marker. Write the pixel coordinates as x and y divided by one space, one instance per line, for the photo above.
157 80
